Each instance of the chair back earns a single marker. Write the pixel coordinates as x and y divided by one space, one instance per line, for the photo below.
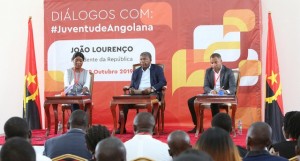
142 159
69 157
294 158
91 83
236 73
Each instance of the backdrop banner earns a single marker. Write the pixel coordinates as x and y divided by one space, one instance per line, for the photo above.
180 34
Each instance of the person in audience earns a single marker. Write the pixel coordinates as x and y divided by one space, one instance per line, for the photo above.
218 144
217 77
178 141
287 124
223 121
17 149
291 130
297 149
258 139
143 144
149 79
18 127
110 149
193 155
95 134
77 79
73 142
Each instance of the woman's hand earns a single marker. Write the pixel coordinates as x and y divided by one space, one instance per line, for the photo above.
85 90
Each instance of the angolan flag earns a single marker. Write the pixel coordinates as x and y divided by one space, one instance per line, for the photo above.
274 105
31 101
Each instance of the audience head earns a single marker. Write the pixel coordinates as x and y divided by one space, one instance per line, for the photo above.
78 119
143 122
110 149
145 59
193 155
286 124
223 121
95 134
258 136
16 127
178 142
17 149
218 144
294 129
216 61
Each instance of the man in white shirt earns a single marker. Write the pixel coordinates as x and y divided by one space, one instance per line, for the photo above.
149 78
143 144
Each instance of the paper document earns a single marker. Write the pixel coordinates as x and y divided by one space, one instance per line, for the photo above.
68 88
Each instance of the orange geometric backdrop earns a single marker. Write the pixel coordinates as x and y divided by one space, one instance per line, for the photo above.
179 34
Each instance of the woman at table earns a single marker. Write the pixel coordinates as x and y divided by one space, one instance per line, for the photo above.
77 79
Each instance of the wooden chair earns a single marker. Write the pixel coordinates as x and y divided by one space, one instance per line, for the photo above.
162 102
65 107
296 158
227 106
142 159
69 157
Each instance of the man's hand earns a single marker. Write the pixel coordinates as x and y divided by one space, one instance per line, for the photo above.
213 92
131 91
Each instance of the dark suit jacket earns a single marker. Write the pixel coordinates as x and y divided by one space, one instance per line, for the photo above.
242 151
72 142
157 77
262 156
286 149
227 80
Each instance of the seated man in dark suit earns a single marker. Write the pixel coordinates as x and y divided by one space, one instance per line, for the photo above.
73 142
149 78
217 77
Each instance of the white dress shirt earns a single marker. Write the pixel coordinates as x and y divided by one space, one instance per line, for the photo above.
145 80
146 146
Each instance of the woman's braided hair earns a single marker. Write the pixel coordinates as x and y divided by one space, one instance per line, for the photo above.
95 134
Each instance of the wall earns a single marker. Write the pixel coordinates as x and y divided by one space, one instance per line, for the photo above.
14 16
13 39
286 25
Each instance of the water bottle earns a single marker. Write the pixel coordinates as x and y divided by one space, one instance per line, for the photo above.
59 128
240 127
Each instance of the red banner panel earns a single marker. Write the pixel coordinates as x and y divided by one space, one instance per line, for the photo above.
179 34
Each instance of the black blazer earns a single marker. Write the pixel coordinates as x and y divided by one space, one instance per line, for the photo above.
227 80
